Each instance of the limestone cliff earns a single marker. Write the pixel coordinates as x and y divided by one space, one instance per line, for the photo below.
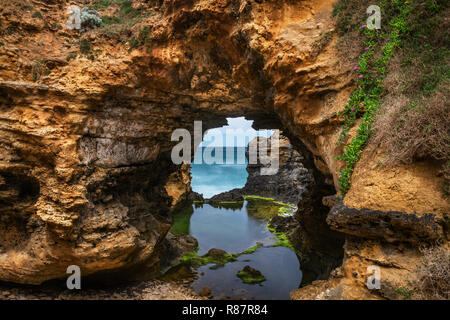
86 120
289 181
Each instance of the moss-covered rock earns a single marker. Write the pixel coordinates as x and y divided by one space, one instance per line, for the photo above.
214 256
251 276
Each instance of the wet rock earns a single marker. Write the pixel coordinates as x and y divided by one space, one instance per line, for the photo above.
329 201
205 292
232 195
250 275
174 247
290 227
288 184
217 253
391 226
283 224
179 273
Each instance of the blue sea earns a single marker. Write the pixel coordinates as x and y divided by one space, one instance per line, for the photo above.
212 179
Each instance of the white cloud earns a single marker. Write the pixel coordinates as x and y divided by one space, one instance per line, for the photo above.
238 128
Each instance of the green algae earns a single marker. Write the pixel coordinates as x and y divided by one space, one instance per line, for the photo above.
266 208
282 239
258 197
251 276
252 249
182 220
194 260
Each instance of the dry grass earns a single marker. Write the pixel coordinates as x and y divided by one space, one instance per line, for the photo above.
414 131
349 48
413 127
349 44
413 122
433 276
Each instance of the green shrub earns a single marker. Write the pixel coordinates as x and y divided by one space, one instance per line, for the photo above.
36 71
412 123
405 293
101 4
85 46
37 14
365 100
71 56
402 95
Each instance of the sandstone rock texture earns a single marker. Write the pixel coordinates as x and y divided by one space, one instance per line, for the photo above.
85 170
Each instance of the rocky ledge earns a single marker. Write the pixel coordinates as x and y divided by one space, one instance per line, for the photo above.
146 290
288 184
391 225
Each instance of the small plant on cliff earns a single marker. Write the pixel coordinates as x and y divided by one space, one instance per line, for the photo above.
37 14
124 15
405 293
120 19
401 100
365 100
36 71
85 46
101 4
71 56
322 42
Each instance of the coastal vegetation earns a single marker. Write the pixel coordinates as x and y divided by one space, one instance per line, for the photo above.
402 84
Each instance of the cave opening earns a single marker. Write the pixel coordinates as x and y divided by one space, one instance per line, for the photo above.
220 160
242 223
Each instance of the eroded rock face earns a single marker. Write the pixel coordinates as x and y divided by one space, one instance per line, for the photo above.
289 181
85 170
391 226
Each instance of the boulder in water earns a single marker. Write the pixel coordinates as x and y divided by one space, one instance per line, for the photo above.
250 275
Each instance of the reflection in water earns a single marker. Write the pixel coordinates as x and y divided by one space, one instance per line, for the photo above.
279 265
227 229
234 230
235 227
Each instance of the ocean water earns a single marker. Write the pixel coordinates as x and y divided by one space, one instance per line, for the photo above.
212 179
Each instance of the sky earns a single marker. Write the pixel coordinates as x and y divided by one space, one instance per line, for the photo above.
238 128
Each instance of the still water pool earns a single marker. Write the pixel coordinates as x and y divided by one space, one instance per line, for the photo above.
236 227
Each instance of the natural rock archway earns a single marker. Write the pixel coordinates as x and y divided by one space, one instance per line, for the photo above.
98 149
89 140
